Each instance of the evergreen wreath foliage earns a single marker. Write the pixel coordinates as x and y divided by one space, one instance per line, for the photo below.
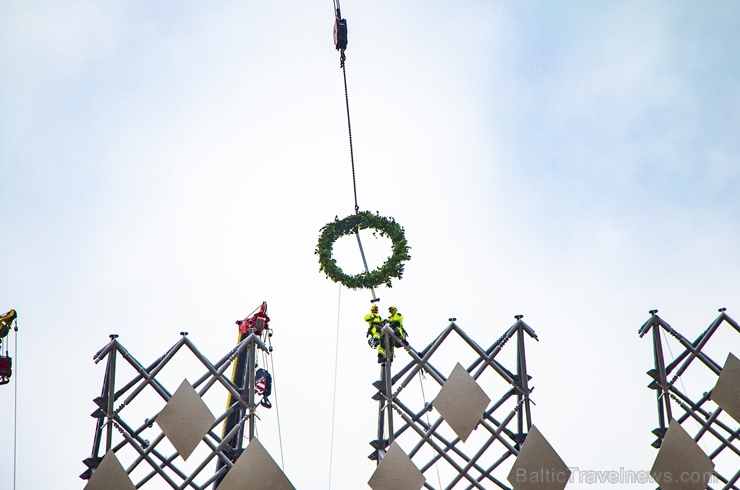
393 267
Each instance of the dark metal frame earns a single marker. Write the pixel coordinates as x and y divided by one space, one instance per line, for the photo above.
113 401
500 433
672 403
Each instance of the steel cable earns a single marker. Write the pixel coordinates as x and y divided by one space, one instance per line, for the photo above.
15 408
334 397
349 129
277 408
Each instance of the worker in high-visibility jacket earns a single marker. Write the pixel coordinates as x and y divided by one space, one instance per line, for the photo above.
374 325
395 320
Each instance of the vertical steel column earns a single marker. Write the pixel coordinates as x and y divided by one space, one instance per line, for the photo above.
664 402
388 382
384 403
243 378
251 362
518 381
523 377
111 374
381 419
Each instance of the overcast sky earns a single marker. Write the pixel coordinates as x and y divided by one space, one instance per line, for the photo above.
167 166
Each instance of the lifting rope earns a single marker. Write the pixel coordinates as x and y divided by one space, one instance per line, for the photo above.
387 227
393 267
340 42
334 395
277 405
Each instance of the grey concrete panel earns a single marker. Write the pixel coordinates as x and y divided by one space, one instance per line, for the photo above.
110 475
538 466
681 464
185 419
461 402
255 469
396 471
726 392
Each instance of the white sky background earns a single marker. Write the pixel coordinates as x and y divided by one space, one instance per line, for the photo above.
167 166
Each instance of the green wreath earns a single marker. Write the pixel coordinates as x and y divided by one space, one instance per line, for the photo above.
393 267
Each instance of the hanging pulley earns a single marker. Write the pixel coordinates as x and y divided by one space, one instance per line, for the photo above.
340 33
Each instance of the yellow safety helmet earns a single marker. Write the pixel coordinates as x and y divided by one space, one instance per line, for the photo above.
392 309
374 308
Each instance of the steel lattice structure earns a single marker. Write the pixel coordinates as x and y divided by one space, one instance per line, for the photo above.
167 448
708 418
500 428
177 445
